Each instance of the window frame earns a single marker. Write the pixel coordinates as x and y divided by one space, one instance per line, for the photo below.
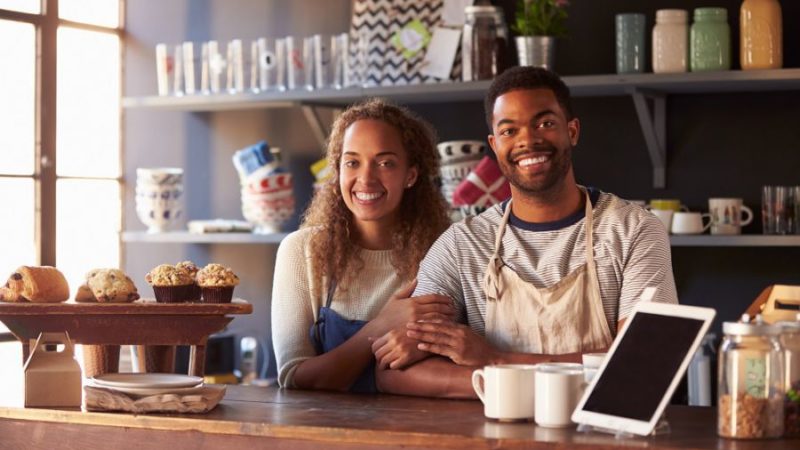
44 174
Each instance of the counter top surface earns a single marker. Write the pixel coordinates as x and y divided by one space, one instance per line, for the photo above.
303 419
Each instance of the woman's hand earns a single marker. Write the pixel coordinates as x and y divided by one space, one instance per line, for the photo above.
401 309
395 350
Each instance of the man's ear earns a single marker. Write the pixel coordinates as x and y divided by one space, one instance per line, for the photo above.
574 127
490 138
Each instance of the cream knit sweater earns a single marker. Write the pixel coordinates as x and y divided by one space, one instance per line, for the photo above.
294 309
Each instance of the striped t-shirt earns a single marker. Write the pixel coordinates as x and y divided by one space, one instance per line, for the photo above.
631 252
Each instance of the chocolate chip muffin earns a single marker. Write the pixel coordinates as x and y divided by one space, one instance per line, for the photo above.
216 283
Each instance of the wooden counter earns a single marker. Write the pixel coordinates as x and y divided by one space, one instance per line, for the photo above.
252 417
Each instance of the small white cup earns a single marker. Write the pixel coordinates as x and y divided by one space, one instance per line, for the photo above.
591 364
506 391
689 223
559 387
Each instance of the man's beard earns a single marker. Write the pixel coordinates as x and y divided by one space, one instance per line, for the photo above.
560 163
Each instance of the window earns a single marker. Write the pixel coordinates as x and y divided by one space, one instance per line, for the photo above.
60 167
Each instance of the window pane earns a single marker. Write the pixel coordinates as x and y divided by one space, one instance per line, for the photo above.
87 227
88 136
12 381
17 97
98 12
18 247
27 6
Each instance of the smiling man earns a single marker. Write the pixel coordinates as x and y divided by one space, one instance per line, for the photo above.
546 276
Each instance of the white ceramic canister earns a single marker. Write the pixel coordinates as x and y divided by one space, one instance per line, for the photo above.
670 41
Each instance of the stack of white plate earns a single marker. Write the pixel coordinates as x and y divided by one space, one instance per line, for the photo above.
147 383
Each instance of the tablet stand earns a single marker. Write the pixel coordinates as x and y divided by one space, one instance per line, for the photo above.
662 427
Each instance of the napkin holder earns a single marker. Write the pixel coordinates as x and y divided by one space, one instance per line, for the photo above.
777 303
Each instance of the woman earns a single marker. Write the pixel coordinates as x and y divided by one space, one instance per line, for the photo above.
338 280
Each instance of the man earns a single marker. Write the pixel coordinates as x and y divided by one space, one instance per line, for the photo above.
546 276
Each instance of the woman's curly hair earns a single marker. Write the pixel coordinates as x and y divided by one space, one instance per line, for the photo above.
422 215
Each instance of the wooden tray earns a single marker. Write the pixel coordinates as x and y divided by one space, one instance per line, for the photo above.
143 322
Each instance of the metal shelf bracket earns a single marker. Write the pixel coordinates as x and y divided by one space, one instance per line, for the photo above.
653 121
319 127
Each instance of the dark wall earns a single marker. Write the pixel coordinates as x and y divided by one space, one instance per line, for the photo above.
718 145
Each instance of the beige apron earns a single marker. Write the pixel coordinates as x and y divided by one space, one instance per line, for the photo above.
565 318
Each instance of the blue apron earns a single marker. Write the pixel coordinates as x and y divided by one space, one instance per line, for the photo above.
332 330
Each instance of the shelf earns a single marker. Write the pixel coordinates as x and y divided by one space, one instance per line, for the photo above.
648 91
184 237
752 240
580 86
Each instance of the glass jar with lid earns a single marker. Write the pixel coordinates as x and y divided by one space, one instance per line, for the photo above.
670 41
761 34
751 380
790 339
710 40
483 42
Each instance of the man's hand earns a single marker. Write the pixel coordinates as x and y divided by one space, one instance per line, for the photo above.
455 341
395 350
401 309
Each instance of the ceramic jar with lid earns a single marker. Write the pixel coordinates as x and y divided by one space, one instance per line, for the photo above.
751 380
483 42
710 40
790 339
760 32
670 41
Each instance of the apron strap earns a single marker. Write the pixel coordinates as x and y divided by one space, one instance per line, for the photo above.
492 284
331 290
589 227
317 335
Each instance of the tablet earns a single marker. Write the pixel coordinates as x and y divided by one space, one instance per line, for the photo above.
644 366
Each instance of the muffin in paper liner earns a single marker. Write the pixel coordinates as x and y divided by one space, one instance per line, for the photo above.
195 295
217 294
173 294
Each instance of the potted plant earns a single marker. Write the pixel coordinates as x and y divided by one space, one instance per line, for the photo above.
538 23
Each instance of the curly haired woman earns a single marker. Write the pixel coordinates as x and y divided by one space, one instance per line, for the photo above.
342 280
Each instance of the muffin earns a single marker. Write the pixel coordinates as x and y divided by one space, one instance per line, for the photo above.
107 286
192 269
170 284
216 283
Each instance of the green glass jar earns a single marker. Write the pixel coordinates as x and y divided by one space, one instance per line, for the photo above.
710 40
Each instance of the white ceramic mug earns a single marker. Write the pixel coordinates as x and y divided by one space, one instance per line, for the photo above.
665 216
689 223
726 215
559 387
506 391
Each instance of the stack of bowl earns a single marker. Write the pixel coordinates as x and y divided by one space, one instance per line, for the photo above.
457 159
267 197
158 197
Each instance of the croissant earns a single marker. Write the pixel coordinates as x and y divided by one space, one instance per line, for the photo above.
43 284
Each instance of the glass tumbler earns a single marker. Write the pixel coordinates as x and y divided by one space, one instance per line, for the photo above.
778 209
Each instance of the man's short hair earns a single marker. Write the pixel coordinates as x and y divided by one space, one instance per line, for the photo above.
526 77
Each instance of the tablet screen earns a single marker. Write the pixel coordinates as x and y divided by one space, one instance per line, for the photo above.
633 383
